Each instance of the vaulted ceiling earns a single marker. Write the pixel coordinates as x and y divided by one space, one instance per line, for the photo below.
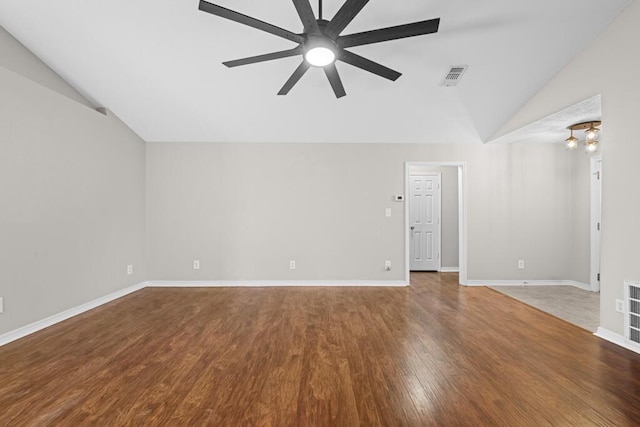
158 66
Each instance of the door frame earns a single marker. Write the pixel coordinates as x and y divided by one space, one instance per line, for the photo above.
439 175
462 216
595 237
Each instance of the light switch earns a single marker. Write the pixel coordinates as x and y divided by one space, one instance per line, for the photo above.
387 212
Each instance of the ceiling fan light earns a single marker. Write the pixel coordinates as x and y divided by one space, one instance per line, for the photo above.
320 56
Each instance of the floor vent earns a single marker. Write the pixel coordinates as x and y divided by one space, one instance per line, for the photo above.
633 311
454 75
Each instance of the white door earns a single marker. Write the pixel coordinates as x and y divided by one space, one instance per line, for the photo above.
424 222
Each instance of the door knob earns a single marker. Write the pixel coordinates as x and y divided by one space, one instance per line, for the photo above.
412 227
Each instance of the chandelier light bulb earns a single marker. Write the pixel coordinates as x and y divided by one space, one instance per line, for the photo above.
571 142
591 148
592 133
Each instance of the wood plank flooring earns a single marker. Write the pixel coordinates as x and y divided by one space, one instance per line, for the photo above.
433 354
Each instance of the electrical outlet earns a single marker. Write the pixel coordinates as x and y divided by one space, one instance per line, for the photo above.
1 304
129 270
520 264
387 265
619 306
292 265
196 264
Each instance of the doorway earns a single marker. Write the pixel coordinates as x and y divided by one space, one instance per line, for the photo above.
460 170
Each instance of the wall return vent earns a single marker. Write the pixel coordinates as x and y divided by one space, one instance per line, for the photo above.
632 312
454 75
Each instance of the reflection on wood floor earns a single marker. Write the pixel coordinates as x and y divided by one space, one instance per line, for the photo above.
434 353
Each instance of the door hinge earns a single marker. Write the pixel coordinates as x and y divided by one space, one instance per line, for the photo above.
598 226
598 277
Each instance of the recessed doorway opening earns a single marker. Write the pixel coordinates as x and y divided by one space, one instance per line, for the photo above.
422 168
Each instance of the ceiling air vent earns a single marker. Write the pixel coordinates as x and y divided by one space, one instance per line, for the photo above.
454 75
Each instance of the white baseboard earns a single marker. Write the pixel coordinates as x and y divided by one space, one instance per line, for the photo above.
580 285
449 269
573 283
607 335
56 318
270 283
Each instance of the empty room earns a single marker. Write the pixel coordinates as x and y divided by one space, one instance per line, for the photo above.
319 213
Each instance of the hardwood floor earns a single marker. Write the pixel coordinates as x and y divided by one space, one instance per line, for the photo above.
431 354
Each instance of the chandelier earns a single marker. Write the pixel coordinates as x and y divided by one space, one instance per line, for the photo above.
592 135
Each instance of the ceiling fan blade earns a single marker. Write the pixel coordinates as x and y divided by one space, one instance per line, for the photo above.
297 74
334 78
345 15
247 20
368 65
265 57
306 16
390 33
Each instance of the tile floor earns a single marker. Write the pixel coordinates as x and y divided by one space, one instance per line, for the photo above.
577 306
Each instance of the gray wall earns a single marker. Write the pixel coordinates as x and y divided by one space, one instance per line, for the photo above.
450 250
620 154
245 210
71 196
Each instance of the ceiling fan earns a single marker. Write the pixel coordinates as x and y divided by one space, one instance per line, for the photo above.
321 44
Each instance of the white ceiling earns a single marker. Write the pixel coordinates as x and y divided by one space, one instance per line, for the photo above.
157 65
